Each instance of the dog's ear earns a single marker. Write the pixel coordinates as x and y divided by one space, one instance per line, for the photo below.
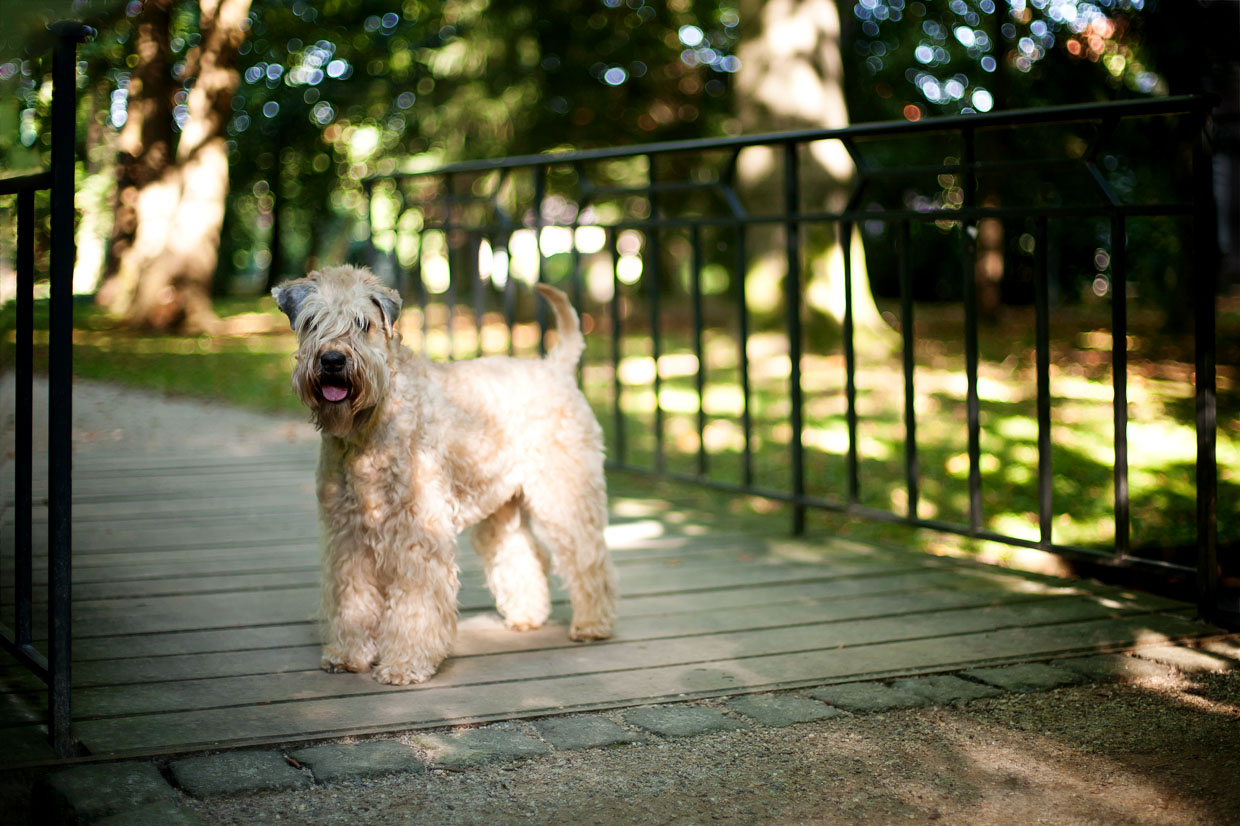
289 297
388 301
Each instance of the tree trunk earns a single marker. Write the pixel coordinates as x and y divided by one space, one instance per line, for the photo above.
791 77
176 241
145 151
988 267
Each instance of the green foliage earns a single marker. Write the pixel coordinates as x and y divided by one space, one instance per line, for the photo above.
917 58
356 88
913 59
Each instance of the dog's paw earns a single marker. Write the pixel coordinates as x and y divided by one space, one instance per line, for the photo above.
334 661
522 623
585 632
333 665
402 673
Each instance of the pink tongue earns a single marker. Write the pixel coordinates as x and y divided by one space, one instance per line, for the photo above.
333 393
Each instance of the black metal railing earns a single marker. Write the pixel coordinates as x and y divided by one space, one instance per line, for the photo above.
430 232
53 665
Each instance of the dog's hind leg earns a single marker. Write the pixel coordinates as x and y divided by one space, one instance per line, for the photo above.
516 570
568 517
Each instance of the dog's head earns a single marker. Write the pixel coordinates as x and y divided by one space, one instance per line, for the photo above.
344 319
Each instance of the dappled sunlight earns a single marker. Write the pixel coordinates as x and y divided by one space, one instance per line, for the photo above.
1019 769
626 534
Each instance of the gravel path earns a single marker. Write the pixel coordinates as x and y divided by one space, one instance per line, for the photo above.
1161 750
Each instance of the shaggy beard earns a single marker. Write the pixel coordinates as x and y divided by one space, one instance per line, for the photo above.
339 419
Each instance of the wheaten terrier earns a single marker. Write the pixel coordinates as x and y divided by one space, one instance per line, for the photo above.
414 452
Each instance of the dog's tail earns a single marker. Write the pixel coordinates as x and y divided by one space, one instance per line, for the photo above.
571 344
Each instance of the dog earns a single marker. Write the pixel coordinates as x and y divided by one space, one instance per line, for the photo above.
415 452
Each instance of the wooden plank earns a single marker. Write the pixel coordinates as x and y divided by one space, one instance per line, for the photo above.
103 566
107 641
206 533
436 703
688 645
273 606
300 504
161 643
721 568
484 634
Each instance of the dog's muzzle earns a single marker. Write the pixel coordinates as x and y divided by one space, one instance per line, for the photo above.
333 376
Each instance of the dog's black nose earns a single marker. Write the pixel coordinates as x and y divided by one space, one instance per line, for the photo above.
332 361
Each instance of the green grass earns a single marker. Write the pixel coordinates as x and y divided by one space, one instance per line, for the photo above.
249 362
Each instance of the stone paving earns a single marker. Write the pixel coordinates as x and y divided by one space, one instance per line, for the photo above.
145 792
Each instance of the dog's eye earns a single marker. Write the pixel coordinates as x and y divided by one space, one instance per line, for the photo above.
364 323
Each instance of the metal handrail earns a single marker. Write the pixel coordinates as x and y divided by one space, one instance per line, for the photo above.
52 667
1102 202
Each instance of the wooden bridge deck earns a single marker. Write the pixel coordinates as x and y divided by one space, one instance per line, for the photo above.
195 584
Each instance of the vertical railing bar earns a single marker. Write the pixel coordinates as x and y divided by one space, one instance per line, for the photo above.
473 249
1205 287
419 284
24 421
616 351
1042 355
972 404
576 280
792 302
1119 377
698 326
908 340
577 288
540 312
510 297
372 258
742 334
450 294
651 269
850 366
402 277
60 392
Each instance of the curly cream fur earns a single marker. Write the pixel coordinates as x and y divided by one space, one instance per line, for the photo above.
419 452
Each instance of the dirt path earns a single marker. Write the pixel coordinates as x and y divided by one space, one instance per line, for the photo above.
1159 751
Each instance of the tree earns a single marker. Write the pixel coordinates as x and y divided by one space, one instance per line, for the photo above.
792 77
920 59
146 148
163 276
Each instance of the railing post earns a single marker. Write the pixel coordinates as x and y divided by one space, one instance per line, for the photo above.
540 308
741 262
972 405
698 329
1119 376
1042 357
617 352
652 276
1205 288
450 293
850 366
792 302
908 337
60 385
24 421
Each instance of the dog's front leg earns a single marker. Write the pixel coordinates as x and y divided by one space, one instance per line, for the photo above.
351 606
419 613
